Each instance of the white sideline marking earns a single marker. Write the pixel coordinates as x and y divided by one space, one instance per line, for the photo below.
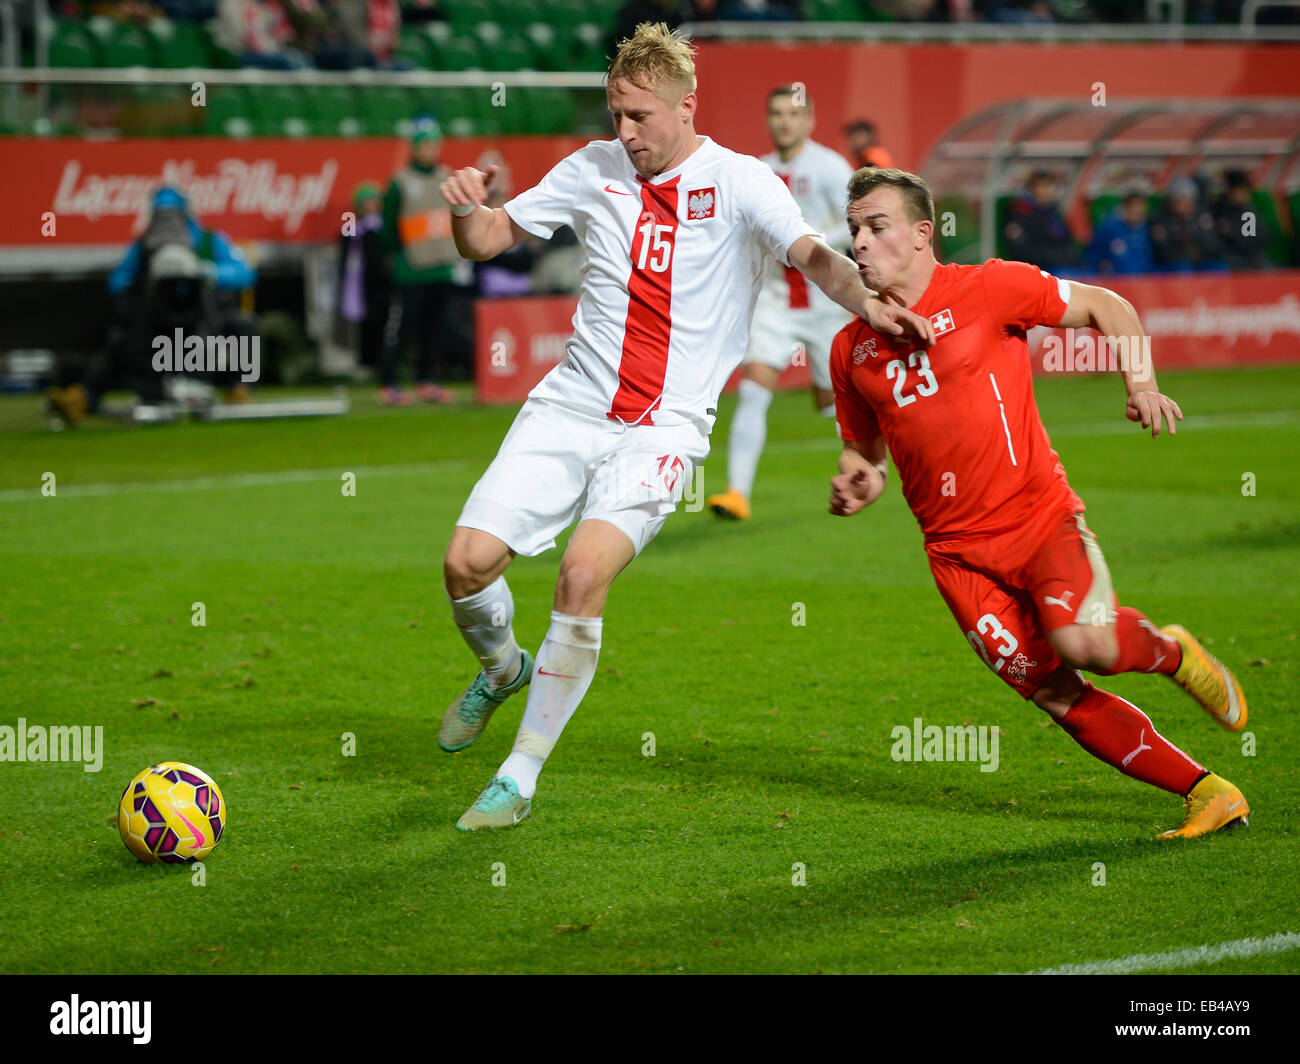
1117 427
1182 958
233 480
821 443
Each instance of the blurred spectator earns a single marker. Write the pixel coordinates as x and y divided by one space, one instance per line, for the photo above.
363 274
428 306
1183 233
864 146
259 33
1243 234
1035 230
177 275
672 12
782 10
510 273
1121 243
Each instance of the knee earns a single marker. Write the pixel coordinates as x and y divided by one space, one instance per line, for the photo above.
467 569
1086 647
1059 692
580 590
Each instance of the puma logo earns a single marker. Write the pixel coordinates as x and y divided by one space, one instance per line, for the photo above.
1140 747
1063 601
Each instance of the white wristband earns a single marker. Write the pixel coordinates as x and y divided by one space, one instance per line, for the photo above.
463 210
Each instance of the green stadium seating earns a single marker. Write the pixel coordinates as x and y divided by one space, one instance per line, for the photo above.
417 47
460 53
568 12
129 46
228 112
334 112
832 11
509 53
387 111
179 44
589 47
550 45
466 14
73 45
1293 208
279 111
963 246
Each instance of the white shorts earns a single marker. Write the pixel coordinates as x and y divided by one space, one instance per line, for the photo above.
558 465
778 331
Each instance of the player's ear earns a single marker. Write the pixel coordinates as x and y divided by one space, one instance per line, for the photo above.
687 106
924 234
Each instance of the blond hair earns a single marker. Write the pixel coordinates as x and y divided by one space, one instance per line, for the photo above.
656 59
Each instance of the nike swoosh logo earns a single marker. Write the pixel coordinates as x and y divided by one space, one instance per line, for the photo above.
1234 805
516 814
199 840
617 192
561 675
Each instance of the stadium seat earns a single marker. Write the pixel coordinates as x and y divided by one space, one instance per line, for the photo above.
128 46
963 246
179 44
418 48
550 45
228 112
567 12
589 47
460 53
466 14
279 111
387 111
509 53
334 112
73 45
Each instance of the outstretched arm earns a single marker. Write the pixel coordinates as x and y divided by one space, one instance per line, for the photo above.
837 276
861 479
1115 319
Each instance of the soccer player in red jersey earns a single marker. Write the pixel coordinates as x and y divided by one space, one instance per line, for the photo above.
1004 532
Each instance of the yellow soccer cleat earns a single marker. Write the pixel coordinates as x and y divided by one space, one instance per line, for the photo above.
730 504
1208 680
1212 804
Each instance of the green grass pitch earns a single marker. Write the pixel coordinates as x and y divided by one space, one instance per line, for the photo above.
325 615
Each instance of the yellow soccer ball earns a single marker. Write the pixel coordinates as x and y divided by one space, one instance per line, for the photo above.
171 812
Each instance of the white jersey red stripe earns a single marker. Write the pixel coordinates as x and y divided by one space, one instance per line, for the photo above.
818 178
672 271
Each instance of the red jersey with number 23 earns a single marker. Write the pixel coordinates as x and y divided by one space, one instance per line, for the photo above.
959 419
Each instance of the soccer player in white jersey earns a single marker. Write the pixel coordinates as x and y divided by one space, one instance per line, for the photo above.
791 315
674 228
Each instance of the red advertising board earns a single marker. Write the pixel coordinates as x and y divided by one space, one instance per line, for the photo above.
1193 322
266 189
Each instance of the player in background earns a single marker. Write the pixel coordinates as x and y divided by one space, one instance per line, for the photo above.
671 224
790 314
1004 532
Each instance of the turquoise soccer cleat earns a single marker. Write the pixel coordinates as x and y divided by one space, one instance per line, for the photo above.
499 806
466 717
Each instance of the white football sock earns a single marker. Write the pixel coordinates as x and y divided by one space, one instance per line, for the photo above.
484 619
566 664
748 434
827 411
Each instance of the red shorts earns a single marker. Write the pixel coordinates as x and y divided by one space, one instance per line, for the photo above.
1007 592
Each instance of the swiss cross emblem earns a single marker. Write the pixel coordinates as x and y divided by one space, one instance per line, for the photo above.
699 203
860 353
942 322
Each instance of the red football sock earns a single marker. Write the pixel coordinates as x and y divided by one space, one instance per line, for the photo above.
1120 734
1142 647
